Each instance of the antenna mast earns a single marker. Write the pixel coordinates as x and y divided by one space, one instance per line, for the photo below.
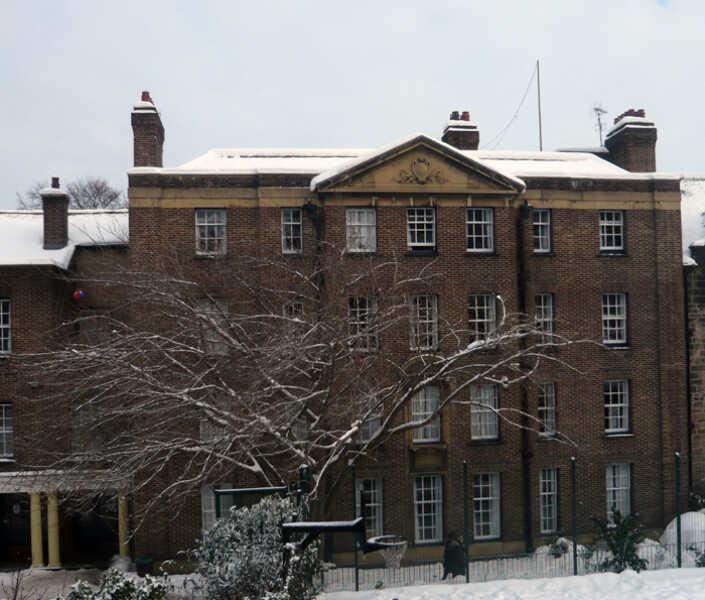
597 113
538 82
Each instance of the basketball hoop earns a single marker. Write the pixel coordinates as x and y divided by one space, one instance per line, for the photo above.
391 547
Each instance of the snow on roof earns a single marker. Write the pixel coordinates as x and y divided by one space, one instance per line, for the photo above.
553 164
318 162
692 212
273 160
630 121
22 235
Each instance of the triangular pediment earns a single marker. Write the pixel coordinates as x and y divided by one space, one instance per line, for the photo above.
417 164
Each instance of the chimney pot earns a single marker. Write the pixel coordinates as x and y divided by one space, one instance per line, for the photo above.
454 116
148 135
55 209
466 115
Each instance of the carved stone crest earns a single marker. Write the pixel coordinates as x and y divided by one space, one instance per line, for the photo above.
421 173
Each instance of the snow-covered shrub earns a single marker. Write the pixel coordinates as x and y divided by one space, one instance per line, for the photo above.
242 557
621 536
115 585
657 556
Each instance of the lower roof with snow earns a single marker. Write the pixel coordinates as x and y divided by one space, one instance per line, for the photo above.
22 235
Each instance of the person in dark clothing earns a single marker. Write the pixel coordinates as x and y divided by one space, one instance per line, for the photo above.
454 556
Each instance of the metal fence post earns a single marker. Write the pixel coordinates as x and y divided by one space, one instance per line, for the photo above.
678 508
355 543
466 522
575 514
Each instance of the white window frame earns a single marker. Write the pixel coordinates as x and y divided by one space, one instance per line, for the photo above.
619 489
484 420
361 230
5 326
548 500
486 506
424 404
542 230
547 409
424 322
7 433
543 316
214 311
614 318
612 231
421 229
374 503
616 397
361 316
373 421
292 231
208 503
482 316
479 230
211 231
428 509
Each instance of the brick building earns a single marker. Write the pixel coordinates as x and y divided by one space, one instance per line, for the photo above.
587 244
39 249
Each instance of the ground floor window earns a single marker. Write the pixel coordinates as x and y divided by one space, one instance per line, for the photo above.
428 509
548 494
619 489
208 503
372 490
7 436
486 515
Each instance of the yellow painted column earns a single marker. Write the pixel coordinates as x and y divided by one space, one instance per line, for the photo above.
53 531
35 528
123 525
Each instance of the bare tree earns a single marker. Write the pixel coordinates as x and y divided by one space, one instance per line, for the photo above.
280 365
89 193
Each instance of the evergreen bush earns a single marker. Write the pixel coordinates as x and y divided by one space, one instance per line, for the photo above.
621 535
242 557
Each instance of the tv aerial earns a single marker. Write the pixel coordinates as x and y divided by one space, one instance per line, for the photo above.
598 113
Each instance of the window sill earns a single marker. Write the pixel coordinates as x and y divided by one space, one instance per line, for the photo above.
544 254
616 346
6 460
208 256
624 434
612 253
415 446
547 438
360 252
480 253
432 252
293 254
485 442
434 543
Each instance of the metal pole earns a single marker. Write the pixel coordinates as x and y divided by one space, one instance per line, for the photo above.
678 508
217 506
575 515
355 542
538 80
466 521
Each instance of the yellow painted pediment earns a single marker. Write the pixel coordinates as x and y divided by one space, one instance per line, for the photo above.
422 166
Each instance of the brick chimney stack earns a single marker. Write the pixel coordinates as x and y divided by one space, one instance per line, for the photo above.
632 142
460 132
55 205
148 133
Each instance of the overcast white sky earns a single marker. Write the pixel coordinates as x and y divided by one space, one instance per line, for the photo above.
328 73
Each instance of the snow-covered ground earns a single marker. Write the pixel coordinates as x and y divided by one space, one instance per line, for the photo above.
667 584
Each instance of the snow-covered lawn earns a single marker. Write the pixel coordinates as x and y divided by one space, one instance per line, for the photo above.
667 584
